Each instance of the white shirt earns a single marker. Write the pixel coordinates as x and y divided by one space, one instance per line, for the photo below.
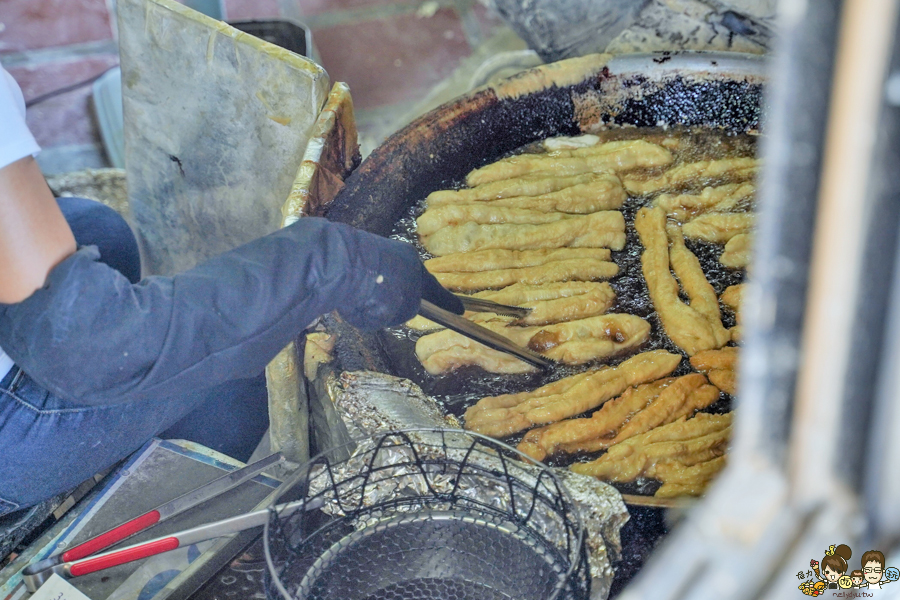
16 142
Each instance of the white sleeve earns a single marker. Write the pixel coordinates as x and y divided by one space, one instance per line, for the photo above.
16 140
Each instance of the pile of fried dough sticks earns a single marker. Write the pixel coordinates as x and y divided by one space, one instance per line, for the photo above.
539 230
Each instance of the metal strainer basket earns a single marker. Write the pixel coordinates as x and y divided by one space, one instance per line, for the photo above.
426 514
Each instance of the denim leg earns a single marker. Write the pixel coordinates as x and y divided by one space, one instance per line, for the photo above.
231 421
49 445
95 224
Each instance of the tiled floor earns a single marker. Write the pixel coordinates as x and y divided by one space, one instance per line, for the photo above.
392 53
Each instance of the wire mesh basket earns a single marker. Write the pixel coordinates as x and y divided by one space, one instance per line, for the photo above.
426 514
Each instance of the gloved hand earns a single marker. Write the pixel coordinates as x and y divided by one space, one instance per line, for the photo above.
393 281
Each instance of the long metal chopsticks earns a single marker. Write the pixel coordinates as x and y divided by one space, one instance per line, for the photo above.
482 334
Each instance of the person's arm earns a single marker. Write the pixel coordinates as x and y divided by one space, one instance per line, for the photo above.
34 235
90 336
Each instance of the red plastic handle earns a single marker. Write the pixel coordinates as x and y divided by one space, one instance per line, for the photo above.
116 534
123 556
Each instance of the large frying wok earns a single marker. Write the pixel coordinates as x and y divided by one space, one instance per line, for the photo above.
440 148
565 98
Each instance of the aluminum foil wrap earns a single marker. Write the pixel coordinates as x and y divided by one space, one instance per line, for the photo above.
370 403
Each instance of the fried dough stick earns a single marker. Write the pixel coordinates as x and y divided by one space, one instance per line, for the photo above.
681 480
491 260
600 191
563 142
689 441
710 360
584 340
685 396
511 188
541 442
684 207
737 251
673 399
611 156
720 366
702 295
719 228
501 416
451 215
686 326
551 303
557 271
573 343
692 174
732 296
605 229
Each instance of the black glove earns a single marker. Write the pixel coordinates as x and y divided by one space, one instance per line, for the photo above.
394 282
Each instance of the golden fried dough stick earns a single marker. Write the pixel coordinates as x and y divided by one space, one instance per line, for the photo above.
605 229
737 251
450 215
420 323
719 366
597 191
687 327
543 441
692 174
439 352
681 480
702 295
563 142
572 343
622 464
574 300
719 228
501 416
680 440
584 340
708 360
611 156
604 194
732 296
675 471
677 490
551 389
583 270
492 260
635 412
453 357
687 394
724 379
511 188
551 303
684 207
671 405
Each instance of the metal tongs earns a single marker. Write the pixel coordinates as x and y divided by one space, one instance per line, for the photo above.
82 559
481 334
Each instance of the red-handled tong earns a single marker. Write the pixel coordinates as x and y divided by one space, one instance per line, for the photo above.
113 558
159 514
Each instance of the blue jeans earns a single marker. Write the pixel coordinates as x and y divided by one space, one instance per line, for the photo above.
49 445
